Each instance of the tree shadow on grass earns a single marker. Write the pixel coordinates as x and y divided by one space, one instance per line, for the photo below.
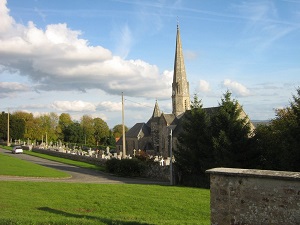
103 220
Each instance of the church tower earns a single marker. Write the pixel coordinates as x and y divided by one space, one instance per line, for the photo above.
180 85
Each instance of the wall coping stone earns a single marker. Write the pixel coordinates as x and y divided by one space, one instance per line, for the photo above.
271 174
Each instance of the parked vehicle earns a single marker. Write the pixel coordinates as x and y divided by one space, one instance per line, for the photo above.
17 150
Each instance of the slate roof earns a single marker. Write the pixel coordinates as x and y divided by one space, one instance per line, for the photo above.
135 131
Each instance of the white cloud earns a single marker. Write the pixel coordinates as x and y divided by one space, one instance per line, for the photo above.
190 55
12 87
110 106
203 86
236 88
76 106
56 58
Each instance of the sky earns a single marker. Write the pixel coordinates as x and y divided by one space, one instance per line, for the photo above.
78 56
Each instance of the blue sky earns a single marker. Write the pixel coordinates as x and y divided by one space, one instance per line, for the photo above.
78 56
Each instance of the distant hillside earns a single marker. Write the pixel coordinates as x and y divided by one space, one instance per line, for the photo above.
260 122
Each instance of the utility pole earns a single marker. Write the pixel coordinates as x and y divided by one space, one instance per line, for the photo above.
171 158
123 126
46 141
8 144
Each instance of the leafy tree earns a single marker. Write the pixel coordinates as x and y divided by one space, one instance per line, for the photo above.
194 155
118 130
280 140
17 128
64 121
87 124
232 142
74 133
101 131
3 126
27 118
111 141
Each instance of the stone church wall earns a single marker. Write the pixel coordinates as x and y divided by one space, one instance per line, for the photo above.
254 197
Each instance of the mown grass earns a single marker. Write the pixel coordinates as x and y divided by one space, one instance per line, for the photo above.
16 167
66 161
76 203
62 160
65 203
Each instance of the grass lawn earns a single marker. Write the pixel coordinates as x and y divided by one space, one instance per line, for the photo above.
62 160
76 203
16 167
64 203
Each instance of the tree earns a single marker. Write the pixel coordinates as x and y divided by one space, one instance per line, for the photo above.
64 121
25 117
281 139
194 155
87 125
74 133
101 131
232 142
3 126
17 128
118 130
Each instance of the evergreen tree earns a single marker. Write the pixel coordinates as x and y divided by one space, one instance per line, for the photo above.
194 155
232 141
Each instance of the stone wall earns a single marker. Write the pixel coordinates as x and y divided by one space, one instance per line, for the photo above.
254 197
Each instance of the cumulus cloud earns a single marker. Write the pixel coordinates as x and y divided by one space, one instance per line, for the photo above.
56 58
76 106
236 88
203 86
110 106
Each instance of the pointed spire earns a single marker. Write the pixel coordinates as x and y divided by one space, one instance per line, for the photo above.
180 85
179 67
156 111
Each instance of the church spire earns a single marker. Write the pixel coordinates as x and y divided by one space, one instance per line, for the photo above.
180 85
156 111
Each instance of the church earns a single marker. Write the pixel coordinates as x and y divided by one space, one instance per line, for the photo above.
153 136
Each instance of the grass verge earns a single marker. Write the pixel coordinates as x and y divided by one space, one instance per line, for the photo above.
62 160
16 167
65 203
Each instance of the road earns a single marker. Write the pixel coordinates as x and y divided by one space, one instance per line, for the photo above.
77 174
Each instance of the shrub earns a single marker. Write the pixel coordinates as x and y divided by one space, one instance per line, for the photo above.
126 167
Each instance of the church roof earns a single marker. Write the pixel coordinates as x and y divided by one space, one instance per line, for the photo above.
137 129
169 118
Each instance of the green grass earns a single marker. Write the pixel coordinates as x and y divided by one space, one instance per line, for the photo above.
62 160
66 161
16 167
65 203
75 203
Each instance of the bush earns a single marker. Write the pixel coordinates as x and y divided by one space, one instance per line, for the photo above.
126 167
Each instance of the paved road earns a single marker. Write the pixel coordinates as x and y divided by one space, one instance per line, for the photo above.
77 174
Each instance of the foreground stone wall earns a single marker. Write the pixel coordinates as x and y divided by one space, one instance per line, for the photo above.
254 197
